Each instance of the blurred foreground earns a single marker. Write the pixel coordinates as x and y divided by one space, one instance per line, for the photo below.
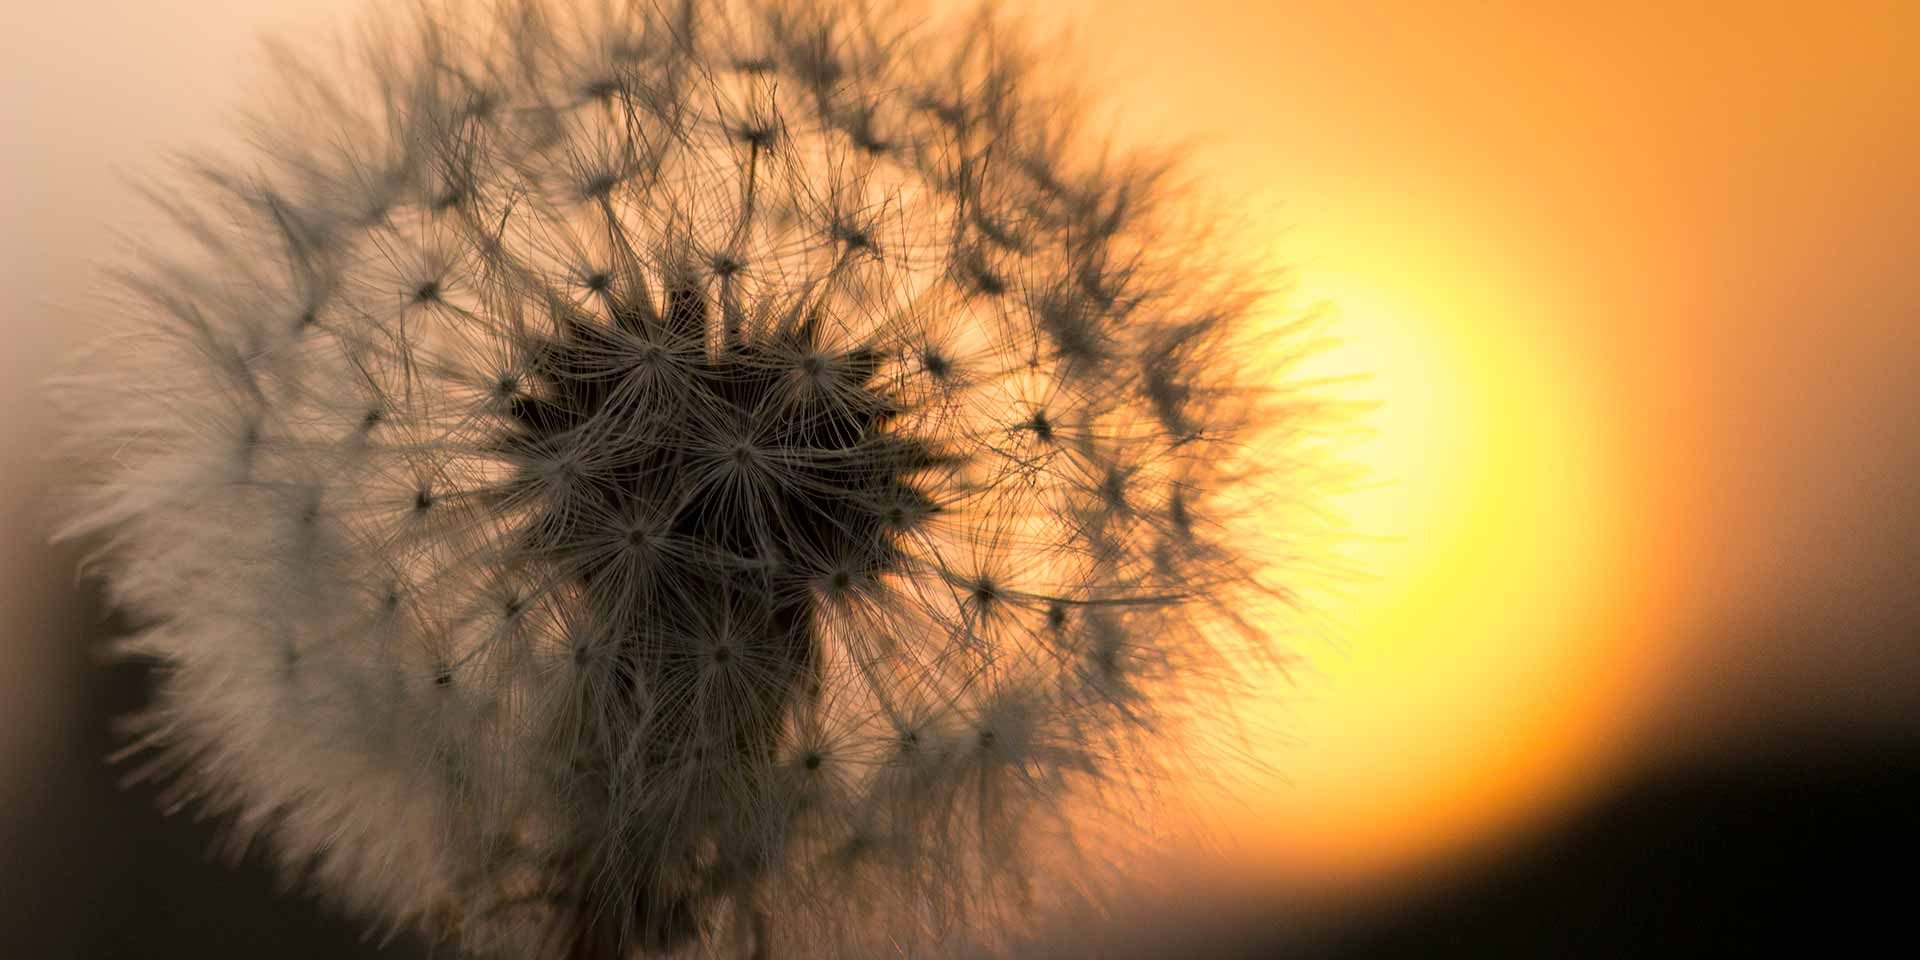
1803 837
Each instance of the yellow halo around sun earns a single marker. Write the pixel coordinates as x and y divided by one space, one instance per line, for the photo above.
1483 661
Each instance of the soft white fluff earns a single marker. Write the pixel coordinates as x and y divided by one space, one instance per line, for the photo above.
682 477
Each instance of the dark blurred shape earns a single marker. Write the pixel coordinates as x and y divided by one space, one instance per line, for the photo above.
96 871
1808 842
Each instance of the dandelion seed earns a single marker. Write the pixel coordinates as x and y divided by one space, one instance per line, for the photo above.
680 477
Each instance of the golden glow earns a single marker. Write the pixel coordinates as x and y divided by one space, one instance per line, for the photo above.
1474 664
1626 279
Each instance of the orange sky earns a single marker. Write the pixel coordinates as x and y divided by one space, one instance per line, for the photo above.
1630 284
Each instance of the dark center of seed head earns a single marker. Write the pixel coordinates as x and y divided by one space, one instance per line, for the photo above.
752 561
599 185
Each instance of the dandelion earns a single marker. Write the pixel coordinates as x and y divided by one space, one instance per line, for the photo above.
678 477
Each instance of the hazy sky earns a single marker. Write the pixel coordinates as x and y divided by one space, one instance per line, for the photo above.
1636 280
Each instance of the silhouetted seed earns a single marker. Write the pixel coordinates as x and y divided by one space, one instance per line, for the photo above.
987 282
687 308
997 234
480 106
1056 615
1178 515
695 466
856 846
950 113
854 238
599 185
1114 490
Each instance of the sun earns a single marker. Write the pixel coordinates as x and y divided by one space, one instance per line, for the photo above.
1479 665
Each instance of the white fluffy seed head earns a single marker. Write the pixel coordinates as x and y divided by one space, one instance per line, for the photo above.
669 477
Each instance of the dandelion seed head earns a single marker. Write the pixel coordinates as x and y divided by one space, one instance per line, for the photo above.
640 478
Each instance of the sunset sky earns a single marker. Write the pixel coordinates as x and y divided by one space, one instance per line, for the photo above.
1631 288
